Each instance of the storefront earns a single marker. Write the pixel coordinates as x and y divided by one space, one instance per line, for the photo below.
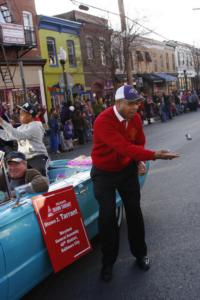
149 83
153 83
186 80
13 95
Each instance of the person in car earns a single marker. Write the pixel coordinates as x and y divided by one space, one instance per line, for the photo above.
18 174
29 136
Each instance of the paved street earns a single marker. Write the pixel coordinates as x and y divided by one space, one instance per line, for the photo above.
171 207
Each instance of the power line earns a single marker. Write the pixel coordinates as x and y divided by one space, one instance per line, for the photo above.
117 14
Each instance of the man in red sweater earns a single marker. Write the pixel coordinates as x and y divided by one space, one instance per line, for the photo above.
118 154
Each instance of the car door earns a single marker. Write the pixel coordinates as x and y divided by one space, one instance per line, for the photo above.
3 277
88 206
25 255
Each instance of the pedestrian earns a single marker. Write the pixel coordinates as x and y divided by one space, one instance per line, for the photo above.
79 127
68 132
29 136
54 131
117 155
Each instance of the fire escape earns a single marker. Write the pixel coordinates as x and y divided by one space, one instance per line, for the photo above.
17 48
5 70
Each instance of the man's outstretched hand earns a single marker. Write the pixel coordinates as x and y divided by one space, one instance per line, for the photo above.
165 154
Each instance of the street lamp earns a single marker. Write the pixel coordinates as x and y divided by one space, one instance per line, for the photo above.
62 55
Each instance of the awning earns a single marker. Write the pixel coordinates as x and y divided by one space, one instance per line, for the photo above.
166 77
152 77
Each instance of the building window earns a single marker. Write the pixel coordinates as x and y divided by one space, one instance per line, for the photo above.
187 61
191 64
89 49
28 28
179 59
51 48
183 59
139 56
161 61
5 15
71 53
117 61
167 61
173 62
102 52
27 19
155 65
148 57
131 60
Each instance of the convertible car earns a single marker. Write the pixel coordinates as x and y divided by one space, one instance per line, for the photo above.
24 260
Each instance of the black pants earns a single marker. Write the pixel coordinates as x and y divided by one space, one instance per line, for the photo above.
39 163
105 185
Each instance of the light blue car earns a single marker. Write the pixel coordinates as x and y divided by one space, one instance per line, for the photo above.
24 260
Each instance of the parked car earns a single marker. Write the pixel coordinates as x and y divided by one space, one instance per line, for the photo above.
24 260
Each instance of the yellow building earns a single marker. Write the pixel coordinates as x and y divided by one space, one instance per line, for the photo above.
63 72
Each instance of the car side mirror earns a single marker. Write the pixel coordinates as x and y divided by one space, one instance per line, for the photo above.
20 191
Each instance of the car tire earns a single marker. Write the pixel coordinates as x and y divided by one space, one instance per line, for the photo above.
119 214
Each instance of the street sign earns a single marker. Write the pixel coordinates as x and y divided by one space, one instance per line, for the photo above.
13 33
62 226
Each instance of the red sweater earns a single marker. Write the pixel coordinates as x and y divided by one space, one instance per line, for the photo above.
115 146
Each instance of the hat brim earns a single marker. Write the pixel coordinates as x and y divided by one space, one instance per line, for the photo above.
141 98
15 159
22 108
28 112
136 100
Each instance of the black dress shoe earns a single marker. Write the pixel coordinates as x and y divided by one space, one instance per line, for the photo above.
106 273
143 263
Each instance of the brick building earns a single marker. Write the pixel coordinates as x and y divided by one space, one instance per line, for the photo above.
95 47
20 62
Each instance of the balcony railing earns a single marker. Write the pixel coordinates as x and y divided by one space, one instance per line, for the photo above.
30 36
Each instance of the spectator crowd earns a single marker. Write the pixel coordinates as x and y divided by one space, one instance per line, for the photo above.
72 123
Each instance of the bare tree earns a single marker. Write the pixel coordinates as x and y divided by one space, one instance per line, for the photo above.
114 48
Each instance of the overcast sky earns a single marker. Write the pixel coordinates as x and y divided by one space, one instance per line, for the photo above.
172 19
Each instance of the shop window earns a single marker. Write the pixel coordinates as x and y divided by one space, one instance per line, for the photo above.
51 48
71 53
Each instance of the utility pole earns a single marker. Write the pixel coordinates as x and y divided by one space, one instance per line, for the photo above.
126 42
